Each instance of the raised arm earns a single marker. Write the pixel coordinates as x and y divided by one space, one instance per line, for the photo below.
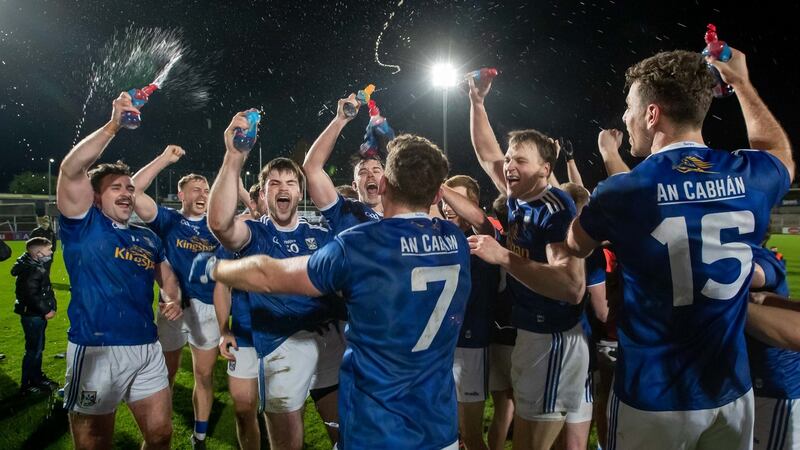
490 155
320 186
763 129
74 194
468 210
573 173
561 278
146 207
232 234
608 142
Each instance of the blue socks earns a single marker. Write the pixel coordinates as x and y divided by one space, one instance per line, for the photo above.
200 429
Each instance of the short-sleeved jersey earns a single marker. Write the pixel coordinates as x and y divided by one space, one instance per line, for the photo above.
406 280
532 225
775 371
183 239
111 270
274 318
684 223
346 213
240 307
477 327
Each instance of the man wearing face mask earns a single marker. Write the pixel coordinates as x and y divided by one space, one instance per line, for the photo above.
36 304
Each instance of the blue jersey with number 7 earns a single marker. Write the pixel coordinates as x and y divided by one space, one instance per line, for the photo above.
684 223
406 281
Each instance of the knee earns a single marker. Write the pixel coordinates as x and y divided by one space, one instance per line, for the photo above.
204 378
159 436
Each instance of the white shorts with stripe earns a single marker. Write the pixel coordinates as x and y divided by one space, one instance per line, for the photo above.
198 326
729 426
777 424
470 373
584 411
500 367
304 361
548 373
99 378
246 363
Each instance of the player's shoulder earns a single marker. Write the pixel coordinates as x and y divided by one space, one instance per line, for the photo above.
306 227
146 233
556 200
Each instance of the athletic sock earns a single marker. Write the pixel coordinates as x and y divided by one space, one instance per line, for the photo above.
200 429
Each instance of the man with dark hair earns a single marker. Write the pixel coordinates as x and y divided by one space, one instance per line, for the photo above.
36 304
406 280
293 358
551 356
185 233
113 353
339 211
45 230
682 357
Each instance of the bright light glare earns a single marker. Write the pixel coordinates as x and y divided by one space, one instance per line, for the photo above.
444 75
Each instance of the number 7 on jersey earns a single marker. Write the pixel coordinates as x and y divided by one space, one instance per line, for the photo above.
420 278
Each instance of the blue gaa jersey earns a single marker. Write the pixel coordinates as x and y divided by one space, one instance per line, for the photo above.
111 272
183 239
684 224
346 213
477 326
406 280
532 225
240 307
775 371
274 318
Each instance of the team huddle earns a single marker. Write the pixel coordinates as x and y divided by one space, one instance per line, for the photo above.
408 305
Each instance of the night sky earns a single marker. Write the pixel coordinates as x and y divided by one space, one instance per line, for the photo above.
562 66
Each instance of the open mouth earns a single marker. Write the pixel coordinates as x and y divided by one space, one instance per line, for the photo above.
124 203
200 204
372 188
512 179
283 201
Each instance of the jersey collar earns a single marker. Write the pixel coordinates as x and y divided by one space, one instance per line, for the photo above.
412 215
677 145
537 196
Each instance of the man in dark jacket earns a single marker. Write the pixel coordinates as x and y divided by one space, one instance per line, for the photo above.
36 304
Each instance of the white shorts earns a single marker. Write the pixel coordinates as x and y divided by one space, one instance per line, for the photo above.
469 372
304 360
548 372
198 326
777 424
500 367
99 378
246 364
728 427
332 345
584 412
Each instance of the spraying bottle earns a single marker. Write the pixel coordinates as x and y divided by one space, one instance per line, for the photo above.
362 97
243 139
720 51
483 75
131 120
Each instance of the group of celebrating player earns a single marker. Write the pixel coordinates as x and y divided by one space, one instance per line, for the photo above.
391 318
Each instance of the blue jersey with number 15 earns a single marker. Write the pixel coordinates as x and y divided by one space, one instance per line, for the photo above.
406 281
684 223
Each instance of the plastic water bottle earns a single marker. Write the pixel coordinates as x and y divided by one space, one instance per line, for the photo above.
720 51
482 75
244 140
362 97
139 97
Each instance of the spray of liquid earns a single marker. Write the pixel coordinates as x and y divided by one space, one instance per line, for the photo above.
378 42
136 57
